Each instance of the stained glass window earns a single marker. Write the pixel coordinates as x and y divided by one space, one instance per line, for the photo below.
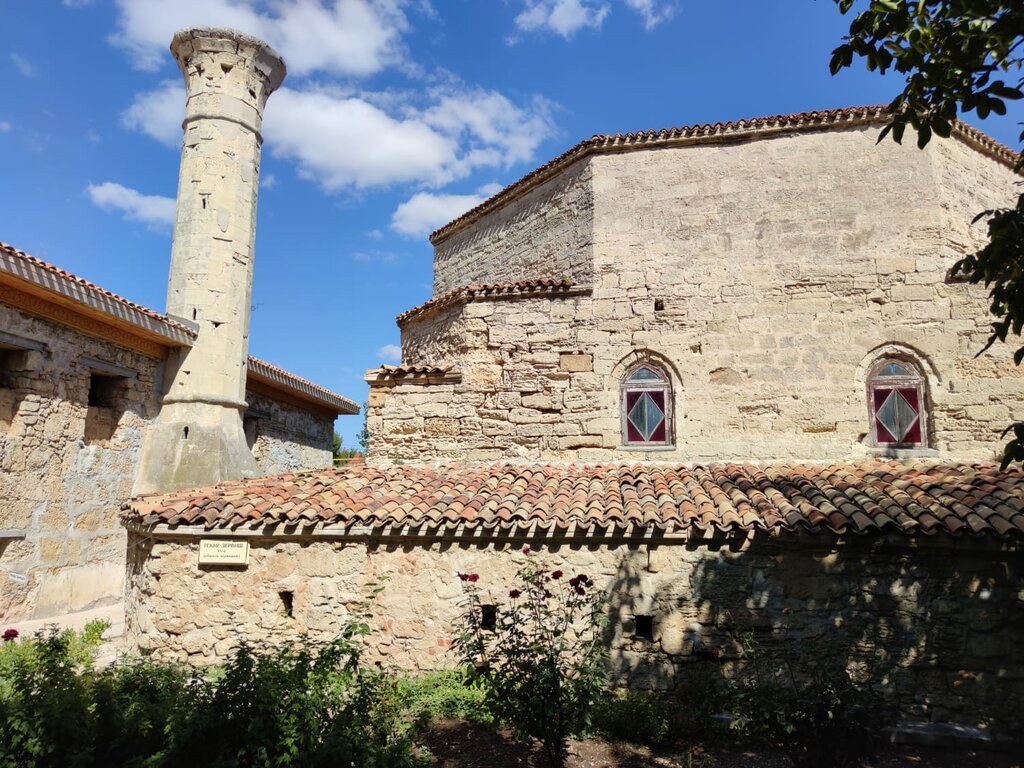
896 396
646 407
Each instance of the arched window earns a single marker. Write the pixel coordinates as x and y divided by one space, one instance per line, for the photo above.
898 406
646 398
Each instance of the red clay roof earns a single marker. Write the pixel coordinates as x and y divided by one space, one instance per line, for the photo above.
926 498
507 290
736 129
56 280
53 279
261 370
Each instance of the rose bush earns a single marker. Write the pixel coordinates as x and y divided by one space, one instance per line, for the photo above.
542 666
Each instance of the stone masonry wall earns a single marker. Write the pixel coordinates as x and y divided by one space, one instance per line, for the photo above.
546 233
784 267
287 438
942 617
65 468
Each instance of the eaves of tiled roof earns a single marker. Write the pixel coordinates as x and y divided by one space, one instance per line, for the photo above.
416 374
29 275
527 289
860 498
754 128
267 373
96 310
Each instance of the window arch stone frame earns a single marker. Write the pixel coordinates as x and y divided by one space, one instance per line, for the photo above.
661 384
916 380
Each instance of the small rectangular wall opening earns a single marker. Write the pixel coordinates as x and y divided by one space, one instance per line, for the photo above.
488 617
103 390
643 628
287 602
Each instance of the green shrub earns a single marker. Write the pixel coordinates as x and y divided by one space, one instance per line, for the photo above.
542 666
45 697
811 707
638 717
446 694
288 707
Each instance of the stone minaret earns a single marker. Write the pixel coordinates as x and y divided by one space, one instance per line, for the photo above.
198 439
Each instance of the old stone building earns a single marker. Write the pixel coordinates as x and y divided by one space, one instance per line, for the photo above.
762 273
724 371
100 397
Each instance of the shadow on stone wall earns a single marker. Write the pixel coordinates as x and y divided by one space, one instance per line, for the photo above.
939 625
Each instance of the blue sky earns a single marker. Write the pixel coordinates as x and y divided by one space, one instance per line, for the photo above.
396 117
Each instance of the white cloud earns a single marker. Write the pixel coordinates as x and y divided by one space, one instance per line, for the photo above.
564 17
424 212
341 141
154 210
268 181
346 37
653 12
24 66
346 141
567 17
158 113
5 126
76 3
390 353
375 257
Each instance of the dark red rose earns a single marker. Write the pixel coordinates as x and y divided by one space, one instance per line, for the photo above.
526 549
469 577
10 634
514 593
556 575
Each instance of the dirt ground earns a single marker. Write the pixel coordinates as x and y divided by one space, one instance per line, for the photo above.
456 744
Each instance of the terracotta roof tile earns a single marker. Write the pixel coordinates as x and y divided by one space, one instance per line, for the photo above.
261 370
54 279
801 121
507 290
856 498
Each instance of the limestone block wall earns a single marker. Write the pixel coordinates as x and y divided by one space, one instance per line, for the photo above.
286 438
942 618
65 468
547 232
764 278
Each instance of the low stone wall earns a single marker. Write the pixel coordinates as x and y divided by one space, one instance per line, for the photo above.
944 617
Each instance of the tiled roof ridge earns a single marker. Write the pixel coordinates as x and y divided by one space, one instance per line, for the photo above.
810 120
63 276
926 497
541 286
279 375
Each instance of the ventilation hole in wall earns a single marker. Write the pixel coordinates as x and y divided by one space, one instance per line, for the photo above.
184 433
252 93
103 390
488 617
643 628
217 323
287 602
225 68
195 312
659 304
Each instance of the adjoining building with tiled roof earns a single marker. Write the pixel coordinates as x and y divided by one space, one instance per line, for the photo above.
81 374
722 371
